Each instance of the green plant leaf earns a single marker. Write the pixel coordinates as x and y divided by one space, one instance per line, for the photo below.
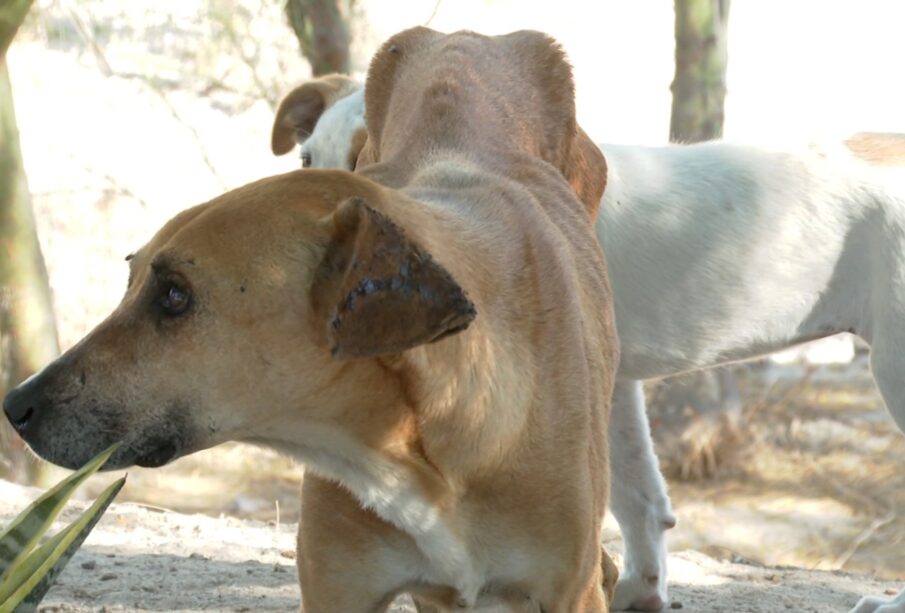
28 581
18 538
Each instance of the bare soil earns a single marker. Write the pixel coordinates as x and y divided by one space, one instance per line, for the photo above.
147 559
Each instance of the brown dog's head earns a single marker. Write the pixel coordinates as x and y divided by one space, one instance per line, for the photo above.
240 317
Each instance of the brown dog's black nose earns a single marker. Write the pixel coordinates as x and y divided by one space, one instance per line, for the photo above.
23 405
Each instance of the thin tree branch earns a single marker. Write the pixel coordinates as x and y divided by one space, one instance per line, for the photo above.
91 41
433 13
154 86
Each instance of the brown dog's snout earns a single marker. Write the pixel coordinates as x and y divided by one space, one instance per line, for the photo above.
26 404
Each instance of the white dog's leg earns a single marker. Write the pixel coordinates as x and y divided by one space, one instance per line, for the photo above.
870 604
887 349
639 501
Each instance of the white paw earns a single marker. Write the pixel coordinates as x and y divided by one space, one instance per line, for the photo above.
638 593
873 604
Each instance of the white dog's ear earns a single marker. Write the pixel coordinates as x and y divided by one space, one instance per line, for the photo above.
303 106
378 293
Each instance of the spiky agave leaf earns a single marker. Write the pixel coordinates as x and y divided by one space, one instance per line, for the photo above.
29 579
20 536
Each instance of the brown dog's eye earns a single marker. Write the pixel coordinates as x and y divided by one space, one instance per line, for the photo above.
174 300
306 160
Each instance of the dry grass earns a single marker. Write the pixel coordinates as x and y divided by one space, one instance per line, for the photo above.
810 474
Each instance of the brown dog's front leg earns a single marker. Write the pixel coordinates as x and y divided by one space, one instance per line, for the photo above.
348 559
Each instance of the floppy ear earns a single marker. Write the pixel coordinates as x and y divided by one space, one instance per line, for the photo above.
303 106
359 138
559 138
586 171
378 293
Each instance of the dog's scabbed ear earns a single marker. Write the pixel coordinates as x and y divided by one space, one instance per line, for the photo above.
378 293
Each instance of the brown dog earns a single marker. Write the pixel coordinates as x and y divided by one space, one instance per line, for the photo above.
433 337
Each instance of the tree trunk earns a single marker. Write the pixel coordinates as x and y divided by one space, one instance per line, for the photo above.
699 87
699 90
28 334
12 14
323 33
706 401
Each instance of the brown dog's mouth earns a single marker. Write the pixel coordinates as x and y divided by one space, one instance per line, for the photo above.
151 446
155 449
158 456
147 454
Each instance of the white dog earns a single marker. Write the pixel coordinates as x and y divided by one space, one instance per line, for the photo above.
717 253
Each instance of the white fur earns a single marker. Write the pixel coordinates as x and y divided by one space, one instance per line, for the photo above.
719 253
870 604
388 490
328 145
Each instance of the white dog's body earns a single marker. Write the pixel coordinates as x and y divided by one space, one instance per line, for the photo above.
724 252
719 253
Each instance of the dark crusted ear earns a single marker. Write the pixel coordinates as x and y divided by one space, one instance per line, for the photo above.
379 293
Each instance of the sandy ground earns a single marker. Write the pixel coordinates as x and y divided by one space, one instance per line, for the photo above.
153 560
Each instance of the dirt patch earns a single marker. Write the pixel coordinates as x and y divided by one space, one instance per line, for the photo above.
141 559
